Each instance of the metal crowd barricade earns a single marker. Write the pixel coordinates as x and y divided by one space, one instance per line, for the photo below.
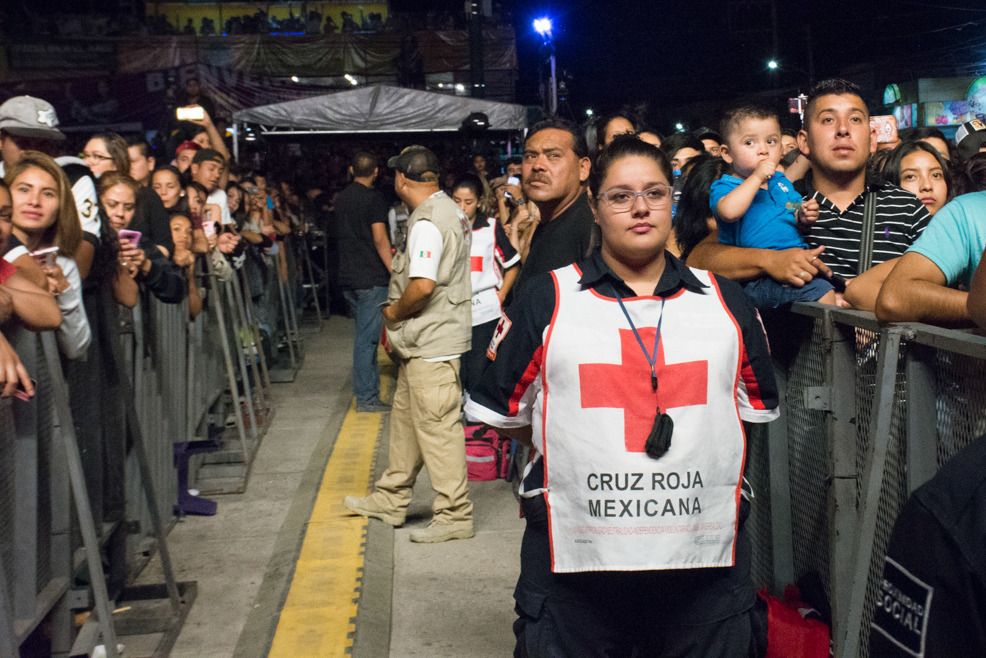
277 309
308 281
35 548
154 384
869 413
44 479
247 380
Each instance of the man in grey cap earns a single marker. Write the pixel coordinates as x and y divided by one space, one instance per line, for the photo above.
428 323
31 124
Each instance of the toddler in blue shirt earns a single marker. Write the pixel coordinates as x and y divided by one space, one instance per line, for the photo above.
757 206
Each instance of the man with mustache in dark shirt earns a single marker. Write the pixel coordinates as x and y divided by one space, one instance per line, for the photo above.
555 168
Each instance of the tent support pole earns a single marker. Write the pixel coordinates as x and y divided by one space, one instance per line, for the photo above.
236 142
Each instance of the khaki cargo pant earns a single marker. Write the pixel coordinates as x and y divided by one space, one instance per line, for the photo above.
426 429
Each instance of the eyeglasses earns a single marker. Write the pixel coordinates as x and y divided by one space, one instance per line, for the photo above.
94 156
656 198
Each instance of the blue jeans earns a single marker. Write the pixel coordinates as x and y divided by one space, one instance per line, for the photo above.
765 293
365 306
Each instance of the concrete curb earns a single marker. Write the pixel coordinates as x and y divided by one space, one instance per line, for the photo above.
258 632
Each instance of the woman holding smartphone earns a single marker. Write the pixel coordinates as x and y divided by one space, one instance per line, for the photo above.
46 229
107 152
138 255
635 503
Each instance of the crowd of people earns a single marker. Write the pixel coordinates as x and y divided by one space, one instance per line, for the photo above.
262 21
644 262
619 269
117 222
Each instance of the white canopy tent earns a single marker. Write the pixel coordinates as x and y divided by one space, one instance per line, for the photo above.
379 109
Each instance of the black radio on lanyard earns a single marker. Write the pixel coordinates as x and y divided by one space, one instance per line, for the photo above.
659 439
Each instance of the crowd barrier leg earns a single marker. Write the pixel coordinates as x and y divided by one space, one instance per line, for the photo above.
235 320
292 316
253 324
841 433
782 546
312 284
922 416
66 434
251 350
224 333
147 485
286 315
876 459
187 503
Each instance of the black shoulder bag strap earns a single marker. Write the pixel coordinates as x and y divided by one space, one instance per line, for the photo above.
866 233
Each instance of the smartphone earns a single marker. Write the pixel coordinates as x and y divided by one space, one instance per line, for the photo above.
838 283
133 237
191 113
209 228
46 256
22 394
512 180
885 126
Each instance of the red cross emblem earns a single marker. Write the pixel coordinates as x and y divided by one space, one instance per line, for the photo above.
626 385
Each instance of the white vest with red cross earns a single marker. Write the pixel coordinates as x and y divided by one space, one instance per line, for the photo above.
611 507
485 272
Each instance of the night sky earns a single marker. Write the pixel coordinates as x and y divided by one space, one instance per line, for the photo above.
667 54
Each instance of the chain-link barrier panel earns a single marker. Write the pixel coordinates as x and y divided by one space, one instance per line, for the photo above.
821 414
33 496
807 449
961 402
893 492
157 366
175 371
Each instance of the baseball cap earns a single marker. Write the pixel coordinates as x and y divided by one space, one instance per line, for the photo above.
707 133
186 145
208 155
27 116
416 162
969 137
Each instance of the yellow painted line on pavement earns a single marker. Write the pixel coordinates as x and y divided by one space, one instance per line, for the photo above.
319 615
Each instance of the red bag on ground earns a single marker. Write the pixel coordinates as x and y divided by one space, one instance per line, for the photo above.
487 454
789 631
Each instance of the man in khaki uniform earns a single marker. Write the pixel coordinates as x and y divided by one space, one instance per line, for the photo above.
429 325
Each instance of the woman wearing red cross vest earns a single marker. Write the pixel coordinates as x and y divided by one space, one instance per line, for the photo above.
630 374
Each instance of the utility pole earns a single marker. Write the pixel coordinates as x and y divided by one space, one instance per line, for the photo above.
475 10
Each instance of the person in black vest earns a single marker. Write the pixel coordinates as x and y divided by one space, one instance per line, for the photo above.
364 272
932 597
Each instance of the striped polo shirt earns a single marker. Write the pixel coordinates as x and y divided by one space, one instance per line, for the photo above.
900 219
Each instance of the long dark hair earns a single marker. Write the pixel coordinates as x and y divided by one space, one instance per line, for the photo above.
971 175
691 221
891 168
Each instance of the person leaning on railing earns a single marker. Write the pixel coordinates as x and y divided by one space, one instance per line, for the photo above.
20 299
976 302
44 216
181 236
924 285
143 260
